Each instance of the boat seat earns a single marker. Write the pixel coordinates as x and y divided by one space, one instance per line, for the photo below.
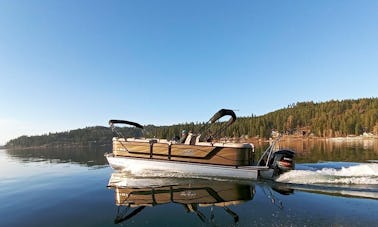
192 139
188 138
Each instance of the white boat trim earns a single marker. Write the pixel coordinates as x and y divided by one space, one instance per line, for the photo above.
139 165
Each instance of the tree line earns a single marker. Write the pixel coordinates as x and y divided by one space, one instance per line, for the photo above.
325 119
89 136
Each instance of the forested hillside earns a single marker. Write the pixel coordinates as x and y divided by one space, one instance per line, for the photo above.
98 135
326 119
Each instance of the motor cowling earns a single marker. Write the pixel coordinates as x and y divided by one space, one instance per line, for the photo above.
282 161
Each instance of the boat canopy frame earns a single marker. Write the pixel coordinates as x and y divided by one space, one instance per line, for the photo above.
205 131
119 134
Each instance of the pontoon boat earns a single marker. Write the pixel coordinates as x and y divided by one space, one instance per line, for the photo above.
197 155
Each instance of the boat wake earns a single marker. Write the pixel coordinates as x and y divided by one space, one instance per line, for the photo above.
346 179
359 174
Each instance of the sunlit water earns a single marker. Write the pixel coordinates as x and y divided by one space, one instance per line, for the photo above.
63 188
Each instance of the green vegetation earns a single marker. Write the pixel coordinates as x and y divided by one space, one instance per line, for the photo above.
78 137
326 119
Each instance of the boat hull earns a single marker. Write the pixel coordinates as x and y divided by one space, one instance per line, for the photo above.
144 166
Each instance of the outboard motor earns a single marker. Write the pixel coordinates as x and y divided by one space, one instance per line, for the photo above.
282 161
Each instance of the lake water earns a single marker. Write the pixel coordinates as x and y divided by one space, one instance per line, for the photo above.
333 185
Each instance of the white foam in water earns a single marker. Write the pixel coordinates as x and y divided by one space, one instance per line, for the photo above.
359 174
353 171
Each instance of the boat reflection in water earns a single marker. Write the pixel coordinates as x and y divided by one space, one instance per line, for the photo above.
134 194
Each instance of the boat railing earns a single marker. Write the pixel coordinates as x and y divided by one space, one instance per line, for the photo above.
188 141
143 140
265 157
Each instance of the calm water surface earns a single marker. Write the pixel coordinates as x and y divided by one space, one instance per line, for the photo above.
69 188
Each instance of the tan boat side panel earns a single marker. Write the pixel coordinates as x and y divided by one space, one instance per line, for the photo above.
183 152
190 150
160 149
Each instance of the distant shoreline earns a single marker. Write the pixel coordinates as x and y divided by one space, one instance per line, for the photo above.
250 140
60 146
297 138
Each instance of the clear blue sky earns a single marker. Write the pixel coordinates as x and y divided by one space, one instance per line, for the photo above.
71 64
